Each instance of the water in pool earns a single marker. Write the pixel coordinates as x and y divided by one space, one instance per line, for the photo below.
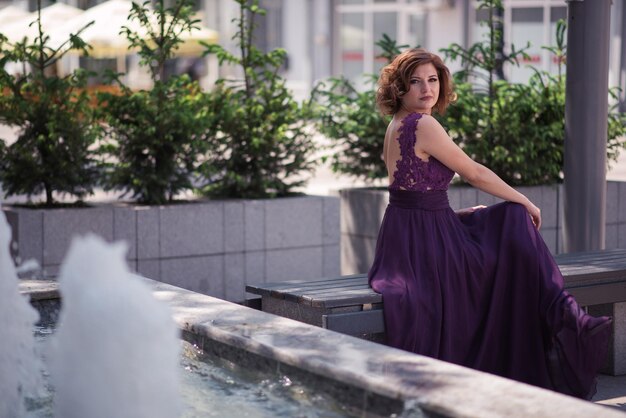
213 387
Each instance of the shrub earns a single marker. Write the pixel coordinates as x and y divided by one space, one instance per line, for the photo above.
156 136
517 130
350 118
52 153
264 146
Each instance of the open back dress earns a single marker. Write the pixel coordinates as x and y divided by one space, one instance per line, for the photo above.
480 290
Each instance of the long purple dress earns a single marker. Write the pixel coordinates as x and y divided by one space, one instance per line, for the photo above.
479 290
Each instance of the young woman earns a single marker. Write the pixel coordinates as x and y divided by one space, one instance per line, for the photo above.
477 287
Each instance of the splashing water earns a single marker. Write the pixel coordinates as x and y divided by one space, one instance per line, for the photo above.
19 367
115 353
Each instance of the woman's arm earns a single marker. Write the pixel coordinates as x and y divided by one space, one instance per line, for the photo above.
433 140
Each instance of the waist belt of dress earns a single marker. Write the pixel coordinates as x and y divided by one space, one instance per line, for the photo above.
430 200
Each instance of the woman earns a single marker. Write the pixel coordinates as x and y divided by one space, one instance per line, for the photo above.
478 287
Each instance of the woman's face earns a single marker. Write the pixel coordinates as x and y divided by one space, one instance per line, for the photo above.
423 89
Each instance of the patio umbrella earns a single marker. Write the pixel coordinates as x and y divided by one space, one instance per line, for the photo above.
10 14
104 34
23 27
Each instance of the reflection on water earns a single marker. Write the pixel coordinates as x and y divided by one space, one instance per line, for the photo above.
213 387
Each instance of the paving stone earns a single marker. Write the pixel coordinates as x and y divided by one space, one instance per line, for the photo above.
254 232
234 226
125 229
204 274
331 220
61 225
192 229
294 264
148 232
234 277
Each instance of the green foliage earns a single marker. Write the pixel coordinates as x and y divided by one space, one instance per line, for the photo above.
56 126
156 136
264 146
517 130
349 117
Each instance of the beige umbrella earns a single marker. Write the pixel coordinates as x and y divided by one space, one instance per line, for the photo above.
104 34
10 14
24 27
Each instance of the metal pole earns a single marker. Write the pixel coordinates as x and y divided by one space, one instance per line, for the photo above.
586 110
621 77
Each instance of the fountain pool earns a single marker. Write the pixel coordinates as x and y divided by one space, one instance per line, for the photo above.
214 387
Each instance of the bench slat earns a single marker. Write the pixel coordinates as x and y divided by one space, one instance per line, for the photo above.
591 277
278 287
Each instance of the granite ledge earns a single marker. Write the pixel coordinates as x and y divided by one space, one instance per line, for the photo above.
436 386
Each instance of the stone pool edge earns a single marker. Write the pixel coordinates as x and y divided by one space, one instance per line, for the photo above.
435 387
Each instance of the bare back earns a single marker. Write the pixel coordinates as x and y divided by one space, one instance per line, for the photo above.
409 167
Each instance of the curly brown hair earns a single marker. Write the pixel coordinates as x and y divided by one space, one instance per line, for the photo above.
394 78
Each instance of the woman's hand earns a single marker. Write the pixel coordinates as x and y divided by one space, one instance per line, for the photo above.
467 211
535 214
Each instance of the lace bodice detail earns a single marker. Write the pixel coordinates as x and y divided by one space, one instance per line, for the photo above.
413 173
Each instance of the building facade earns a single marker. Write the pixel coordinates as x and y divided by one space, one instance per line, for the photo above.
326 38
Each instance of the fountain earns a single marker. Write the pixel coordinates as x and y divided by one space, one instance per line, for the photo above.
116 350
96 374
19 370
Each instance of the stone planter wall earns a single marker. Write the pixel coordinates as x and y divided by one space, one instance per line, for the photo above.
362 211
211 247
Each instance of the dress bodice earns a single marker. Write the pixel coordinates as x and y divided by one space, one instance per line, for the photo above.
413 173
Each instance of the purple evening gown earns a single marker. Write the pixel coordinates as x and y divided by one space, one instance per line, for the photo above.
479 290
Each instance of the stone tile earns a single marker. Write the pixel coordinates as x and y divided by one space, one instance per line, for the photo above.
331 216
234 224
622 202
611 236
612 202
332 261
534 193
293 222
454 197
125 229
560 248
61 225
204 274
362 211
550 206
27 234
149 268
357 254
147 232
255 267
483 198
192 230
621 235
254 218
234 277
468 197
293 264
550 237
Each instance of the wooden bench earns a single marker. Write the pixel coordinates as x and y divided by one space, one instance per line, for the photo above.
347 304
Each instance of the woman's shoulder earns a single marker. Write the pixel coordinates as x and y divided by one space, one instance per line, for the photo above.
427 123
425 118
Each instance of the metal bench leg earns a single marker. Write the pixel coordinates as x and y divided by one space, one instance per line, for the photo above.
616 362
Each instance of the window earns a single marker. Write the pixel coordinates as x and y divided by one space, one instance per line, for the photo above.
362 23
526 21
